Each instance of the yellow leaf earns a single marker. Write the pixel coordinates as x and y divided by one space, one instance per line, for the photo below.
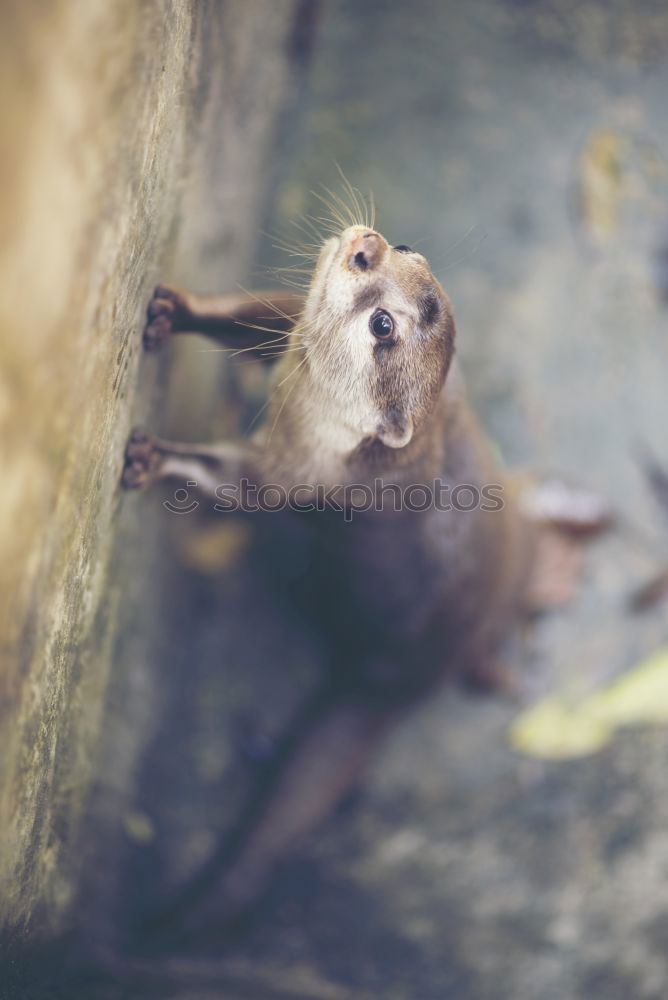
557 728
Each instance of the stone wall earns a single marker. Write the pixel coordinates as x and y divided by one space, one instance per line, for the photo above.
134 143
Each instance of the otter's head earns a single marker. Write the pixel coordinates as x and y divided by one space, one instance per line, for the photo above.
379 333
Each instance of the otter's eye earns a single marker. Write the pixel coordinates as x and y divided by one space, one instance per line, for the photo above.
381 324
402 248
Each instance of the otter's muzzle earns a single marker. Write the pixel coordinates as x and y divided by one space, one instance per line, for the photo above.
365 252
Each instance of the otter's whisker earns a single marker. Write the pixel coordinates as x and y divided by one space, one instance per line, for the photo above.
331 225
308 227
288 394
281 241
357 203
270 397
350 192
271 345
301 286
296 249
372 208
343 218
287 274
327 225
467 256
266 329
347 209
292 251
270 305
442 258
233 351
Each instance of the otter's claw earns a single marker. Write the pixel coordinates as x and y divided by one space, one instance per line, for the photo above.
143 459
167 313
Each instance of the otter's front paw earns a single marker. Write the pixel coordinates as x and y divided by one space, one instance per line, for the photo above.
167 313
143 460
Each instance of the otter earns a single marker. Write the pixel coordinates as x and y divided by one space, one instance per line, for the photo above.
367 402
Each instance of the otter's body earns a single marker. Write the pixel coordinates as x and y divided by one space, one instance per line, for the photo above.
403 596
365 395
406 596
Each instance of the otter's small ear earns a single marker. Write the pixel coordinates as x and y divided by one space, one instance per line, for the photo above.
396 429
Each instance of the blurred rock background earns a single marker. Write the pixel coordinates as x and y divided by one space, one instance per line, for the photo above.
146 670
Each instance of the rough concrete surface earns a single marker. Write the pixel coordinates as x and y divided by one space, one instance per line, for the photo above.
115 118
522 148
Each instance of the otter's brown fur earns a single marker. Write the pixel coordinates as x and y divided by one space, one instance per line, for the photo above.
402 597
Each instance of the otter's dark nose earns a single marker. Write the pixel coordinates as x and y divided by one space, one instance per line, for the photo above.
366 252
